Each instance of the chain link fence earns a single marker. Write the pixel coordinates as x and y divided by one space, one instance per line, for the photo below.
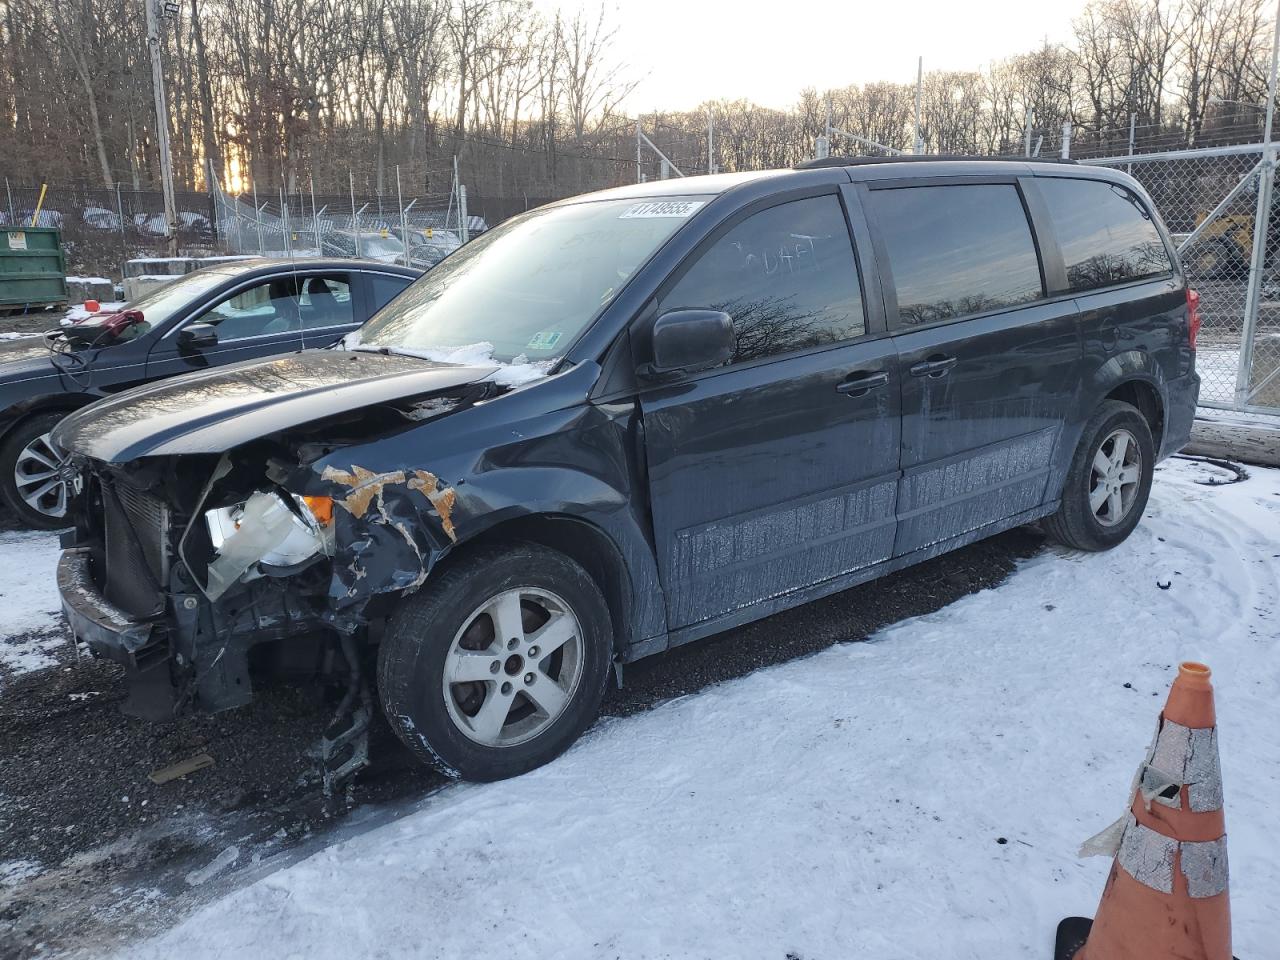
104 226
417 231
1216 202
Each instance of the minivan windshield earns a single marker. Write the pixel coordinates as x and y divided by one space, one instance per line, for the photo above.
527 288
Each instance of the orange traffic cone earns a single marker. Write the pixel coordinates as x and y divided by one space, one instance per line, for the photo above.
1166 897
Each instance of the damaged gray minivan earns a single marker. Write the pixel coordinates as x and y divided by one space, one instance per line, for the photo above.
626 421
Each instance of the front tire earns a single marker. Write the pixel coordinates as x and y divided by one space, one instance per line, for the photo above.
29 481
498 664
1109 480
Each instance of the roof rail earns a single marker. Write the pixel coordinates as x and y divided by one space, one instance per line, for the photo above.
915 158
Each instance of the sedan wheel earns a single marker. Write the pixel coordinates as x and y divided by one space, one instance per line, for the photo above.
512 667
36 478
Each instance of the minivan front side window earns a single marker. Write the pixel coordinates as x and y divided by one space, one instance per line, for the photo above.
1104 233
785 275
957 249
529 287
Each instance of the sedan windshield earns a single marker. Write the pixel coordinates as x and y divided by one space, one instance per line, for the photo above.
526 289
161 303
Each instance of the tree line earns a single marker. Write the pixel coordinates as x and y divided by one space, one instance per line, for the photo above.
287 92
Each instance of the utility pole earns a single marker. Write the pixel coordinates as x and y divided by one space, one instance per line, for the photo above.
162 122
639 158
1026 133
918 143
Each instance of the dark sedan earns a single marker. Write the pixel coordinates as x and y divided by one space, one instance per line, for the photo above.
240 310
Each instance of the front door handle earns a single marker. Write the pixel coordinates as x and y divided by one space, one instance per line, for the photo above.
936 366
861 383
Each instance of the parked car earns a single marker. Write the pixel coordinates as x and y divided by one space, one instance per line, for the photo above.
428 246
626 421
371 244
238 310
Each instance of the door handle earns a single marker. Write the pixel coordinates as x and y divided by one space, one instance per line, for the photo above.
861 383
933 367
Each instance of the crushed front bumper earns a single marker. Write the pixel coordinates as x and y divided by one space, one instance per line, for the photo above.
108 630
137 645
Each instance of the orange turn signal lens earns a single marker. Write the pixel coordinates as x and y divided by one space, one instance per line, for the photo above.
321 508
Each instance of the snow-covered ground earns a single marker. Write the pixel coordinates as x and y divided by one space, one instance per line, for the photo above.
921 795
29 604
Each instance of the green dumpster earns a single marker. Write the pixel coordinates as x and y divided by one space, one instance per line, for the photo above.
33 272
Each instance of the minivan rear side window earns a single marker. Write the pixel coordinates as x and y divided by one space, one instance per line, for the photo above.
1104 232
957 249
787 277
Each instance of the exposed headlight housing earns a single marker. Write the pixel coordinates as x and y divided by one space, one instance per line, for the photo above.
269 530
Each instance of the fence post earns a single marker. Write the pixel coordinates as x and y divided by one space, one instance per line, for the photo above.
284 224
12 218
315 218
404 220
257 218
1133 117
462 212
1026 132
355 227
1257 265
124 239
1066 140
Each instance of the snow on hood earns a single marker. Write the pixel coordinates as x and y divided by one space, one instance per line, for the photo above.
514 373
518 371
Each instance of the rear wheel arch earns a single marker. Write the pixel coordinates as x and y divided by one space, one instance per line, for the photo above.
1145 397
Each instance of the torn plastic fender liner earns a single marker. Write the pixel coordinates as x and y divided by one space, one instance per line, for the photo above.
383 533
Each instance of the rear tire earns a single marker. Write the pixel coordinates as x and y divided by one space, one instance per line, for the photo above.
28 482
524 637
1108 481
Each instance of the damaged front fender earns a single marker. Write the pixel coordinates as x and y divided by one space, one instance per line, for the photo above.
385 530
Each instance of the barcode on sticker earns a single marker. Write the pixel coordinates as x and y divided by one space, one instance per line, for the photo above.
662 208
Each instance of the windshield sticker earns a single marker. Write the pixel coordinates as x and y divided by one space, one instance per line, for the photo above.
544 340
662 208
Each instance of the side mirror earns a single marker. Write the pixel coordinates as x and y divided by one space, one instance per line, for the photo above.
691 340
198 336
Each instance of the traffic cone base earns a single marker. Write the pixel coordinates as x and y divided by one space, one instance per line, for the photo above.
1072 934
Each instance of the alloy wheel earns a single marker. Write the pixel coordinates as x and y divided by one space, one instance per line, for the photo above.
513 667
35 474
1115 477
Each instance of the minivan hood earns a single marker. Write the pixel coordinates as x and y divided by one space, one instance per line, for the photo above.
215 410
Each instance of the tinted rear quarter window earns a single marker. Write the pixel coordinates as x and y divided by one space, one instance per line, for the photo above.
957 249
787 277
1104 232
386 288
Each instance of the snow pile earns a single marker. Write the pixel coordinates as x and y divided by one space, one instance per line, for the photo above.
920 795
14 335
29 602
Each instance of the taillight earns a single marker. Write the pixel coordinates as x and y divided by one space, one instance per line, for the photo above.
1193 317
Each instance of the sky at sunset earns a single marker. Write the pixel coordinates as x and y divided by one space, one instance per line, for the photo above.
685 51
